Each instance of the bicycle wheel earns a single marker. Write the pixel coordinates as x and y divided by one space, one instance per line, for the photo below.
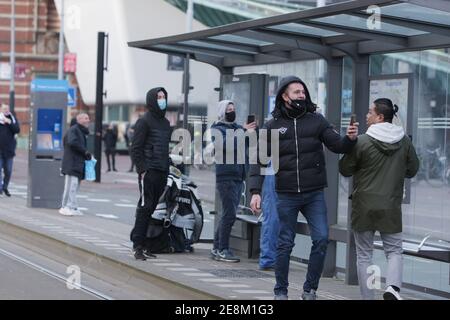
435 175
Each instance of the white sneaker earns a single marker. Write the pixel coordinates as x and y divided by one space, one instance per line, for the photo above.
66 211
391 294
77 212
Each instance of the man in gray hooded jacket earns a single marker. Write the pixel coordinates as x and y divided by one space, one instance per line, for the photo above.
229 180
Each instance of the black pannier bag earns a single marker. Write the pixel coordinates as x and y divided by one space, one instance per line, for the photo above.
177 221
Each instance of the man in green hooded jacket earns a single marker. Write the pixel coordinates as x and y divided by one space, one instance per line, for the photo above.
379 164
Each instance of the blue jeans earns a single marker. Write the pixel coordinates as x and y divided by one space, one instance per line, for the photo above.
6 164
230 194
270 224
313 207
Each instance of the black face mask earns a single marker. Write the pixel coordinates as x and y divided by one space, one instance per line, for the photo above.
230 116
299 108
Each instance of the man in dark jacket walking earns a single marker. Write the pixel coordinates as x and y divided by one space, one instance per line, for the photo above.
379 164
150 153
75 153
9 127
110 139
300 179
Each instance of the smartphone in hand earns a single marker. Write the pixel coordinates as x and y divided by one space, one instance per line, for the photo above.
353 119
251 118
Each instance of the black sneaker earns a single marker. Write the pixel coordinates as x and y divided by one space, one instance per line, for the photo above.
139 254
6 192
149 255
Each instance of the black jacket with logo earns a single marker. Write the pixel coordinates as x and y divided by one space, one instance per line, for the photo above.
150 144
301 156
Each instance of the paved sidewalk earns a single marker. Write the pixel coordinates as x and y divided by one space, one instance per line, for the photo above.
110 238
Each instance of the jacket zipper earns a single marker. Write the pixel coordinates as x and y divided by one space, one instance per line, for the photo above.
296 148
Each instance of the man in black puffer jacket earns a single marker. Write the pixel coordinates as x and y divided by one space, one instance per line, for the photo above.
300 179
150 153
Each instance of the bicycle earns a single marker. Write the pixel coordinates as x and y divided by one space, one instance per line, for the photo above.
434 168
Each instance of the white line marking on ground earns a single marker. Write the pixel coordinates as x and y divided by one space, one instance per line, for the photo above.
182 269
20 186
107 216
215 280
107 245
126 181
97 241
125 205
160 260
82 209
252 291
87 238
62 231
98 200
264 298
198 274
233 285
82 196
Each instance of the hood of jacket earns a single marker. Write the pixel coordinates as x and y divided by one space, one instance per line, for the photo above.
222 107
280 108
152 101
83 129
386 136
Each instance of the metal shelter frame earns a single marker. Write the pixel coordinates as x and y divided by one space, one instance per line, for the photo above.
330 33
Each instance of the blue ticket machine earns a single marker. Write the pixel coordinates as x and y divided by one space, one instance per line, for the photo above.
47 125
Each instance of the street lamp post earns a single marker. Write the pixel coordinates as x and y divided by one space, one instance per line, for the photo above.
12 57
61 44
189 19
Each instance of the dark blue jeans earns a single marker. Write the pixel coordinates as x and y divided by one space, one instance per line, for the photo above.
230 194
6 164
312 206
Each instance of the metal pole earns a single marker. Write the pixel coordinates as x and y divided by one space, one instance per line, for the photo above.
186 82
189 15
61 44
99 105
189 19
12 57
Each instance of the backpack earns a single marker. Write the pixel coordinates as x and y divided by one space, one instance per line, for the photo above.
177 221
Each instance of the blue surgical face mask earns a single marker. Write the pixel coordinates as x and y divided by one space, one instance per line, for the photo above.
162 103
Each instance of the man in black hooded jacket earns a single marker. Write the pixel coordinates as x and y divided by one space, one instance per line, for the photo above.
300 179
150 153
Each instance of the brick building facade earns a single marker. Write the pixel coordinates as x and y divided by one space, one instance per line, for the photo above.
37 41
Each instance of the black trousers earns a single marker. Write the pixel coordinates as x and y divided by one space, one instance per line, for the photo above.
151 187
112 154
132 163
